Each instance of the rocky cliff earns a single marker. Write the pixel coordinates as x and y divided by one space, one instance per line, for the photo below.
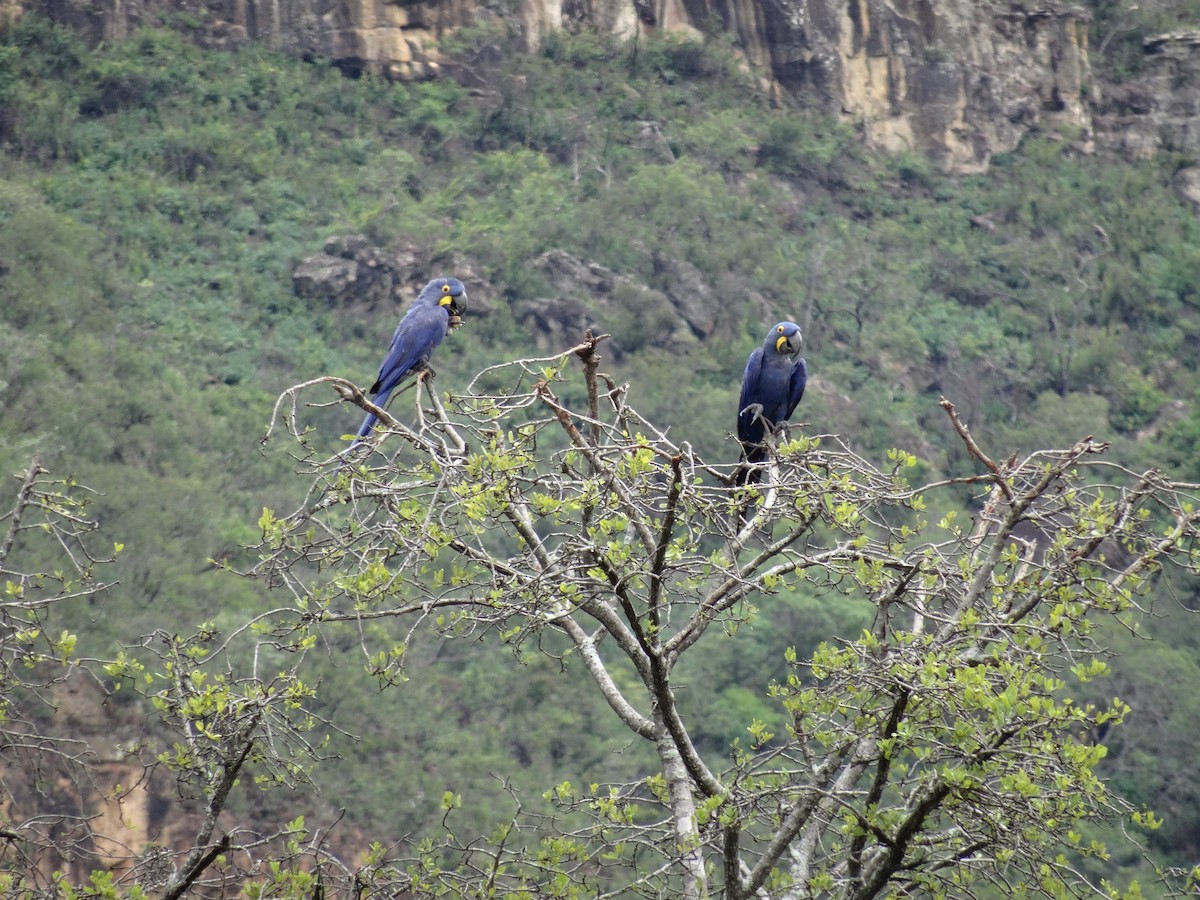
955 80
1158 110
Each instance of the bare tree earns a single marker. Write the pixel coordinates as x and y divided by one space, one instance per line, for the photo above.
205 710
939 751
47 560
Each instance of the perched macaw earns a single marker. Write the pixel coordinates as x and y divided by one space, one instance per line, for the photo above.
435 311
771 387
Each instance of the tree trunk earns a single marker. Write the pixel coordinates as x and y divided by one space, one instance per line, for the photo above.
682 797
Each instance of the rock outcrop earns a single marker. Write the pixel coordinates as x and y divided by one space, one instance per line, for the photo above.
351 272
960 80
1160 108
954 80
585 296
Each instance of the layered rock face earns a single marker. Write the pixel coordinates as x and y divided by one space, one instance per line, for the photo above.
954 80
1160 109
393 38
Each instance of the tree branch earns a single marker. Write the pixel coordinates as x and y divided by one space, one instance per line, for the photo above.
24 495
633 719
797 817
973 448
199 859
611 482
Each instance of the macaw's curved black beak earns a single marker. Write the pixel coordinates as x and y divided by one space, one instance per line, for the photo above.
456 307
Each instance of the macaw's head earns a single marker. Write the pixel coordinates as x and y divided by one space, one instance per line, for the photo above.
447 292
785 339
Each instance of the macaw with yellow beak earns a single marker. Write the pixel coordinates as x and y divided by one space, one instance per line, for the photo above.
772 385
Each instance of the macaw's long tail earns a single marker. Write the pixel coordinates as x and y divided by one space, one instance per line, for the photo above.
749 470
363 431
379 400
367 425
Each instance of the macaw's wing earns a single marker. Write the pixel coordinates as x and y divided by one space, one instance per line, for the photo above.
796 385
412 345
750 430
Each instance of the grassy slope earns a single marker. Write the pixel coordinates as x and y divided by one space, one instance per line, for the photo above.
154 200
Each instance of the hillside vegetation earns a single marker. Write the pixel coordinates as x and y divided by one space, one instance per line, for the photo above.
155 199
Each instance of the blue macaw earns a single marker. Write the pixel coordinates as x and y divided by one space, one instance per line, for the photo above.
771 387
435 311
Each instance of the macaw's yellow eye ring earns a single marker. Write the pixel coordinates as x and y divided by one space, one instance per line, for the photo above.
445 288
780 329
